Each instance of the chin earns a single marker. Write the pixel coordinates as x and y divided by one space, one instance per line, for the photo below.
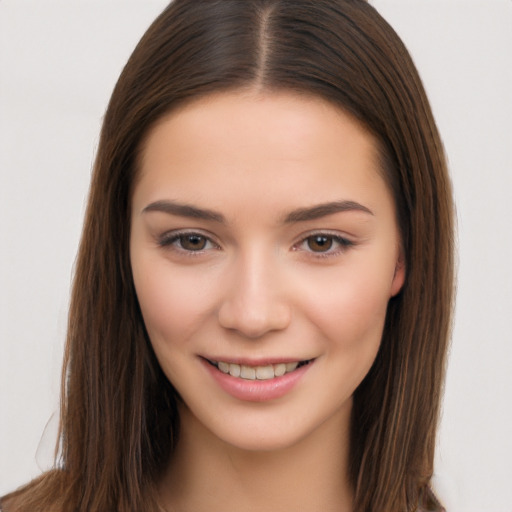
263 441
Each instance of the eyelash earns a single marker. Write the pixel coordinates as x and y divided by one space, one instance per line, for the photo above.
173 241
339 245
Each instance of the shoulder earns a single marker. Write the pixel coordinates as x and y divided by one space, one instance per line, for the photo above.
45 493
25 502
8 503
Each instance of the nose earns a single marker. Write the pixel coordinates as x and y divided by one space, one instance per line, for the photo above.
255 299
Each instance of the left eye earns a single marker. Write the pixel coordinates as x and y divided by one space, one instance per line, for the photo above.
320 243
324 243
192 242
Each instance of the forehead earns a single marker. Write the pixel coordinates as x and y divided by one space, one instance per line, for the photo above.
281 146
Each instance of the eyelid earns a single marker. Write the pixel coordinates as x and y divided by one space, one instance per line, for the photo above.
343 242
167 240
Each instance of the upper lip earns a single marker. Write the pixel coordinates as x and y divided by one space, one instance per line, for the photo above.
256 361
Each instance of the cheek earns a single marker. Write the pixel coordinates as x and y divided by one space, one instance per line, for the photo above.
173 304
352 310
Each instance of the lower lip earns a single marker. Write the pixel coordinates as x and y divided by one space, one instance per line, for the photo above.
257 390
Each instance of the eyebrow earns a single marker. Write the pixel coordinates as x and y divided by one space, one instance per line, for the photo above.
298 215
323 210
184 210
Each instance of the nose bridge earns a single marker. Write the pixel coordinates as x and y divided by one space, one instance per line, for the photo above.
255 300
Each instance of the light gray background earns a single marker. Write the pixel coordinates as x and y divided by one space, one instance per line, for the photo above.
59 61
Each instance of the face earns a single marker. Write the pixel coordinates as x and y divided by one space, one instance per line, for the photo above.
264 250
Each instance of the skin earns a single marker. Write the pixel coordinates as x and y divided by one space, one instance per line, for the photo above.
260 286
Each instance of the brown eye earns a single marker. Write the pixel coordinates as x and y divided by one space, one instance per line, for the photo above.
193 242
320 243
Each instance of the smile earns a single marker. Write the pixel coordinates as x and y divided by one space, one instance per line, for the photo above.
257 382
266 372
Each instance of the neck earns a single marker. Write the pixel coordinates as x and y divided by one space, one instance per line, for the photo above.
207 474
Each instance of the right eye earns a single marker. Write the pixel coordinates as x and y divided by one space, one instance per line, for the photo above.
187 242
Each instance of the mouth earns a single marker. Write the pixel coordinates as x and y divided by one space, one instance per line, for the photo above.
264 372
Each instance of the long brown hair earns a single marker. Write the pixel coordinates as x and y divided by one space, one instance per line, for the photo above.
119 421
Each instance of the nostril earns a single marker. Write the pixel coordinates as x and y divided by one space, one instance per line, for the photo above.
254 321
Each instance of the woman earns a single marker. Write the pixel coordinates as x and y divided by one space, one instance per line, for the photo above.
262 298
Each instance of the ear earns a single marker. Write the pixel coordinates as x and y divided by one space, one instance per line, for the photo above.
399 275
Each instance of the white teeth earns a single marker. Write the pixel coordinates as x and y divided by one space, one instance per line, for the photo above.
279 369
224 367
291 366
257 372
265 372
247 372
234 370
